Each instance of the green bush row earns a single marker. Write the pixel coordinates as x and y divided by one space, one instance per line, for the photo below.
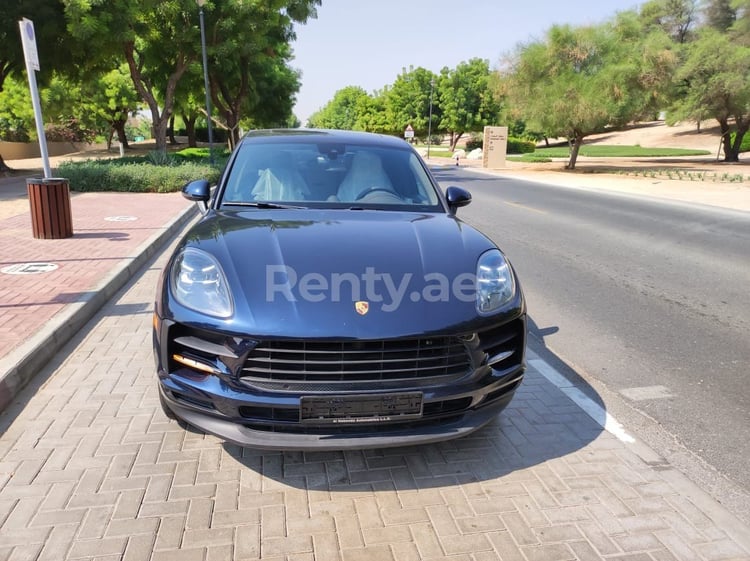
745 146
520 146
105 175
515 145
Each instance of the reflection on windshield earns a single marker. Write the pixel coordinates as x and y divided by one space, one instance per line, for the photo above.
335 175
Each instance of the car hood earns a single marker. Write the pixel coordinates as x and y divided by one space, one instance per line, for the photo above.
345 273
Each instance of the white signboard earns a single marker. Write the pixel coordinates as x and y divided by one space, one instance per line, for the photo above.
494 147
28 39
409 132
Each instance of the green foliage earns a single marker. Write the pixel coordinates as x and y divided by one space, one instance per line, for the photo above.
141 127
54 45
745 146
530 158
605 151
407 102
114 175
714 82
466 100
578 81
195 154
520 146
13 130
16 111
341 112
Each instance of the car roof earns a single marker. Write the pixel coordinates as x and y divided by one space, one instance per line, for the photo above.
305 136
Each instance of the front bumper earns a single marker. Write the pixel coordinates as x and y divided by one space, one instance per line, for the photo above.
291 437
220 385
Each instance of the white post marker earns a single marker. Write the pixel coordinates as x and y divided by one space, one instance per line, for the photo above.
31 55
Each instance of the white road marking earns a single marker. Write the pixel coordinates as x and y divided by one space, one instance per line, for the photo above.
589 406
646 392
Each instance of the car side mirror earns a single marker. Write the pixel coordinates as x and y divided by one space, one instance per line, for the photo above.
457 197
198 191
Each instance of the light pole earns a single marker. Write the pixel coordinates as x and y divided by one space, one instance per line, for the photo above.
429 123
205 84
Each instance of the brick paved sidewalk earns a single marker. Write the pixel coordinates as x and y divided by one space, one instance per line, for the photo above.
91 469
113 234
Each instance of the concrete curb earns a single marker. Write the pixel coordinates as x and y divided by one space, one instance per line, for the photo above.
23 363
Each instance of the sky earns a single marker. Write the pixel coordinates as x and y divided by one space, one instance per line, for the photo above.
369 43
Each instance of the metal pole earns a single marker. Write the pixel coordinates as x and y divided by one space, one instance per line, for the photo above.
39 123
208 91
429 125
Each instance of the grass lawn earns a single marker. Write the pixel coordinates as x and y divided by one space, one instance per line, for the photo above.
594 151
605 151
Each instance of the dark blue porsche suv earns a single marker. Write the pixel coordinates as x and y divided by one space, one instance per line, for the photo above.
329 298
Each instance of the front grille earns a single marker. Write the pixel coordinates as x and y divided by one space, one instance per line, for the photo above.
334 362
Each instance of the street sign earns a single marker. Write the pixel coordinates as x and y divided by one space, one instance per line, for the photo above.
409 132
31 55
28 40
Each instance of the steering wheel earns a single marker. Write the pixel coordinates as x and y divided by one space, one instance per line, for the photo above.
375 189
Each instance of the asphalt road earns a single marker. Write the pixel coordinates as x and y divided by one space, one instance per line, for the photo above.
649 298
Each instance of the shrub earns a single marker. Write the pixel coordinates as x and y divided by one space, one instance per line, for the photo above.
13 130
68 130
474 142
193 154
220 135
520 146
745 147
106 175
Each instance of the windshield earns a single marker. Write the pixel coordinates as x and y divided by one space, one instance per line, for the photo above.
328 174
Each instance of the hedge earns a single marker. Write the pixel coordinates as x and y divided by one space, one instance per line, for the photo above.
515 145
106 175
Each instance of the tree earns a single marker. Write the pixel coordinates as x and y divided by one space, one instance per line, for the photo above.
466 101
157 39
249 44
407 101
720 14
578 82
56 50
342 112
53 43
675 17
714 81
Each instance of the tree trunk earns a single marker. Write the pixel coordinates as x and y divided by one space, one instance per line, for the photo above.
170 131
159 118
742 128
119 127
726 140
575 146
455 137
190 130
160 132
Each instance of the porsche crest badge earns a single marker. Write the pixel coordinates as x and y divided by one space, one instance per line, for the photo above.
362 307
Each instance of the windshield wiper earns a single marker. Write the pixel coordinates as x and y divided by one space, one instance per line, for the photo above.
259 204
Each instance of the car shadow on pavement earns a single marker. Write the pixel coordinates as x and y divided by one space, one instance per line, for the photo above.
540 425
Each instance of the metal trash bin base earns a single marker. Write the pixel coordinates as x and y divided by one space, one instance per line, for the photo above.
49 200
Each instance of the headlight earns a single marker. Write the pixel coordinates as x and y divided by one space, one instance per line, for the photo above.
495 284
199 283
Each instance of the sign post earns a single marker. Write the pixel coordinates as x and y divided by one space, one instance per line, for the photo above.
409 133
494 147
31 55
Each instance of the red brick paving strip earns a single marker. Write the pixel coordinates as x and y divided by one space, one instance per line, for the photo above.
27 302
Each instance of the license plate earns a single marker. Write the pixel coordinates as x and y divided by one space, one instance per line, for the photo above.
353 409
